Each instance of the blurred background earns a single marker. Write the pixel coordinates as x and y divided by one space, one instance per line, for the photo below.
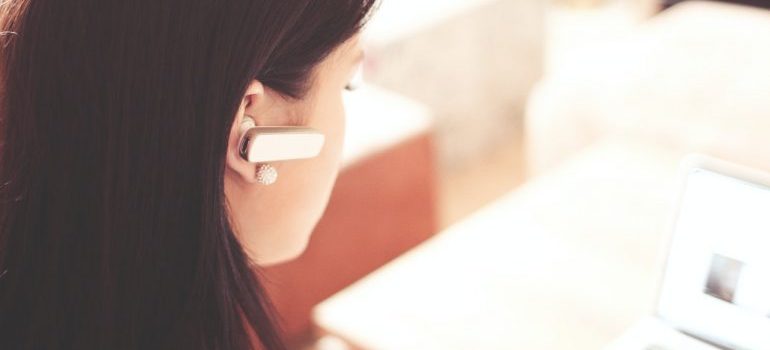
511 166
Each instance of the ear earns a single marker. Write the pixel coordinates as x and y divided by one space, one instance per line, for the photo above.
251 105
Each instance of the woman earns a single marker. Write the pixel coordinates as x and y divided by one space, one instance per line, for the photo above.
129 216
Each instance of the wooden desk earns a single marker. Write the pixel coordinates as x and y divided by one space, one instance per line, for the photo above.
569 261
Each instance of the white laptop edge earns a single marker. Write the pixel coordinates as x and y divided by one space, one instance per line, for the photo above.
691 163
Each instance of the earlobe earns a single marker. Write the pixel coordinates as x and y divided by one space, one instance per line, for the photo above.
266 174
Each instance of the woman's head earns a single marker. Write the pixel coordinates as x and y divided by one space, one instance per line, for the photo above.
274 221
128 220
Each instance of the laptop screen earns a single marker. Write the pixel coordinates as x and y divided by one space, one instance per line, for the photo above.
717 280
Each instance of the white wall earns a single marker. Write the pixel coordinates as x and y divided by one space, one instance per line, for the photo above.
472 61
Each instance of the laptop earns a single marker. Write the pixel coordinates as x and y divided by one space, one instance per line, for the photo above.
715 292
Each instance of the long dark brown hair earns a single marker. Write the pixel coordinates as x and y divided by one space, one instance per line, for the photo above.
115 116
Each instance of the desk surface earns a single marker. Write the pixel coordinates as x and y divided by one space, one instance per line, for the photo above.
568 261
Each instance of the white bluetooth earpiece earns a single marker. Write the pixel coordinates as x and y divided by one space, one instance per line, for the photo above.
263 144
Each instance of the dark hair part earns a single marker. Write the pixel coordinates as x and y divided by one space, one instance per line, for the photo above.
114 231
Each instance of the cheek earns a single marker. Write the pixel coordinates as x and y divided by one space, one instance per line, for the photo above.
329 118
294 204
336 131
315 177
